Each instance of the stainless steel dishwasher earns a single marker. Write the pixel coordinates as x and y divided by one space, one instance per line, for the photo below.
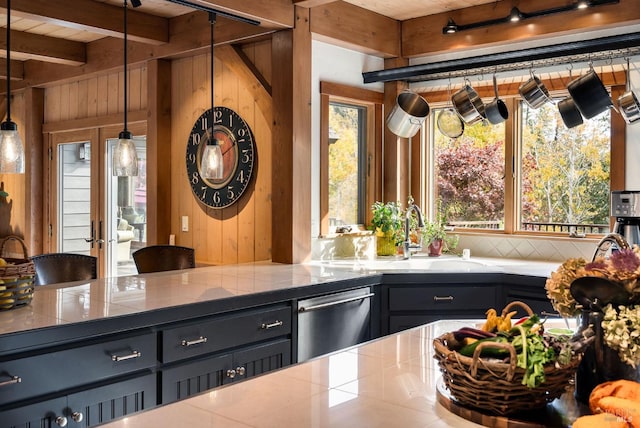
333 321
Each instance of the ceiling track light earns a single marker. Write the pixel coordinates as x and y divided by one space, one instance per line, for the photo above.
517 15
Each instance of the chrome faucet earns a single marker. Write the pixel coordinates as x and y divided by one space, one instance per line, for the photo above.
407 245
613 241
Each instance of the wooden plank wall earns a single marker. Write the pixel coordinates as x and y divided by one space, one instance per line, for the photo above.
241 232
96 96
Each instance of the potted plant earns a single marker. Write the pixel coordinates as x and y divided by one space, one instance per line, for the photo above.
387 224
435 235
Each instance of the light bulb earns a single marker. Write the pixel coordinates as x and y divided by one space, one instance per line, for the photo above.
11 150
212 163
125 158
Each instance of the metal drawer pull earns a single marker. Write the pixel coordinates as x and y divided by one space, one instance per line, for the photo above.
14 379
231 373
338 302
77 416
134 354
443 298
61 421
271 325
240 371
198 341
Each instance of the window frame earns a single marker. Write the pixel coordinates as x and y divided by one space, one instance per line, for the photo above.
373 103
615 81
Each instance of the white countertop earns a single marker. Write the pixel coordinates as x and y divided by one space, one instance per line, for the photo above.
389 382
108 297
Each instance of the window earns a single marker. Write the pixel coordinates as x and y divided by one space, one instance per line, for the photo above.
530 174
470 176
347 166
350 155
564 173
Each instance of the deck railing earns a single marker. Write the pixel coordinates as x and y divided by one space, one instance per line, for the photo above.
537 226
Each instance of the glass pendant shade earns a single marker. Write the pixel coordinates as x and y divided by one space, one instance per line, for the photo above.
11 149
125 156
212 166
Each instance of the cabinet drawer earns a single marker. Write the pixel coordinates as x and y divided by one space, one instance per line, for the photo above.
59 370
224 332
454 297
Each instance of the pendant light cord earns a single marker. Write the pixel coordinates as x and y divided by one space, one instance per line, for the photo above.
212 20
8 60
126 97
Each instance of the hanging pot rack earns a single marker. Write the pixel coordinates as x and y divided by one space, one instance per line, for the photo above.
599 49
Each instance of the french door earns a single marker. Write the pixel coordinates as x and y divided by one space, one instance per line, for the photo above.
90 211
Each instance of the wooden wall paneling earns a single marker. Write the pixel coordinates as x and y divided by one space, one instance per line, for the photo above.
34 149
64 102
159 161
83 98
183 115
230 230
92 97
103 95
246 206
134 84
52 104
262 187
113 93
74 97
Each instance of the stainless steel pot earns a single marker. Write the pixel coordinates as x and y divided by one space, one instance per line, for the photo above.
407 115
496 110
534 92
569 112
628 103
468 104
589 94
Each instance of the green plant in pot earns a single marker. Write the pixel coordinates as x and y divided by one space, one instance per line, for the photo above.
435 235
388 227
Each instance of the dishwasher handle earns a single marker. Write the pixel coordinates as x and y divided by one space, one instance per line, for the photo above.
337 302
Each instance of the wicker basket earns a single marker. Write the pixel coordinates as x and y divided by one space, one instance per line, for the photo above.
16 288
496 387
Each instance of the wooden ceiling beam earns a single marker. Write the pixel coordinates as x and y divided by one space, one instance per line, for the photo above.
189 33
95 17
423 36
45 48
356 28
274 14
17 70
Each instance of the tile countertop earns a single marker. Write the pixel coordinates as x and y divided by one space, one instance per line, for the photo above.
108 297
388 382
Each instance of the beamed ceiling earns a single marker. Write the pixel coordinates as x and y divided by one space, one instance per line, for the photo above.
56 40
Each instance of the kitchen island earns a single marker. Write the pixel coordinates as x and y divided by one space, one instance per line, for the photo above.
131 344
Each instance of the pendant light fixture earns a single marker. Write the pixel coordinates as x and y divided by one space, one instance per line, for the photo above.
211 166
11 148
125 157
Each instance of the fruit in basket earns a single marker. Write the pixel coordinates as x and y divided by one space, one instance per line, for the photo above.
3 262
6 303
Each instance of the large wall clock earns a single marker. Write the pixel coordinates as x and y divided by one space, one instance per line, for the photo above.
238 152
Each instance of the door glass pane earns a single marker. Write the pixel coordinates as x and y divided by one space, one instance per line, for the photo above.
74 203
565 172
346 172
126 202
470 175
